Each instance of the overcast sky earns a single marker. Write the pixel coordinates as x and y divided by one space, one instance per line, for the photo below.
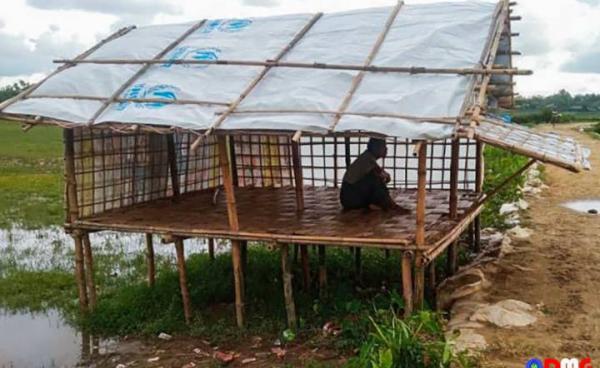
560 39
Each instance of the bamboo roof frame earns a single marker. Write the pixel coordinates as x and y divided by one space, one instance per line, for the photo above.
470 115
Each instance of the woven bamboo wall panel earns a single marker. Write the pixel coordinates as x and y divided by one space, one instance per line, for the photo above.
115 170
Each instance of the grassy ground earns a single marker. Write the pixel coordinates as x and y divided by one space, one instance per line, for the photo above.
31 196
30 176
594 130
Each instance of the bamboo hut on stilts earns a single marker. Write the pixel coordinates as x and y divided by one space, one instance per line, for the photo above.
241 129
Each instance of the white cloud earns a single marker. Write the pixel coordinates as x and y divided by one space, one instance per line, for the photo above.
108 6
263 3
22 56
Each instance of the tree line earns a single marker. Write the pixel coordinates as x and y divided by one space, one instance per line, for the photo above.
12 90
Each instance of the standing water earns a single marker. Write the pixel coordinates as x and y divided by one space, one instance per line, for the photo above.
45 339
591 206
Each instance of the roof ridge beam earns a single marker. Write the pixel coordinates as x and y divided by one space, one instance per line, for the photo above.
143 70
360 76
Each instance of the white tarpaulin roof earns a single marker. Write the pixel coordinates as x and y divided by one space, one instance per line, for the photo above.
442 35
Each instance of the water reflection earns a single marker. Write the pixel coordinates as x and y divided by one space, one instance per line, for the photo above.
45 340
52 248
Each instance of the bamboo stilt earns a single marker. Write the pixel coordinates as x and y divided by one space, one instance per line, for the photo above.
80 273
238 278
407 283
358 265
432 284
150 263
185 294
244 255
419 282
288 292
296 253
386 253
305 267
322 273
234 225
451 259
89 271
477 234
211 249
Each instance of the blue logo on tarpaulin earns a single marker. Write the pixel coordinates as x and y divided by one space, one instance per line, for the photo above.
226 25
187 52
141 90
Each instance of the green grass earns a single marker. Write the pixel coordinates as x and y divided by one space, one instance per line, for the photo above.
31 189
594 130
499 165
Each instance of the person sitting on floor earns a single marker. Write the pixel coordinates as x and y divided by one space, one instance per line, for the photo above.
365 183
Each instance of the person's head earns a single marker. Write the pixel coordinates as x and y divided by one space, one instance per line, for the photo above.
377 147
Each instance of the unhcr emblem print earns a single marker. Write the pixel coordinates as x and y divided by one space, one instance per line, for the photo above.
193 53
141 90
226 25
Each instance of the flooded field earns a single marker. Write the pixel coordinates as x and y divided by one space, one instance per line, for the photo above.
42 337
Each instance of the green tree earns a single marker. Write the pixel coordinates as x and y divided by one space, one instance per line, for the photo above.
12 90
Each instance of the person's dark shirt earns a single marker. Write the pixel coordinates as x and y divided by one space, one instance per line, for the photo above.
363 165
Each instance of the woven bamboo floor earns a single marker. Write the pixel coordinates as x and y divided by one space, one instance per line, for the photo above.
267 213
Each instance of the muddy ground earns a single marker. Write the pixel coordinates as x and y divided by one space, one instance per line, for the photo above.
558 269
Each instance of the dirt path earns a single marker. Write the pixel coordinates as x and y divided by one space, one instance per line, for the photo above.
558 268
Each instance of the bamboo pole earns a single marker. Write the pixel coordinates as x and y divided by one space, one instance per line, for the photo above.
185 294
211 249
322 273
454 178
305 267
80 273
432 284
66 65
421 193
132 99
244 256
298 176
72 215
89 271
493 51
420 232
228 184
288 292
258 78
378 243
236 251
358 78
143 70
479 177
407 282
172 158
452 249
419 281
451 260
325 66
358 265
150 263
238 277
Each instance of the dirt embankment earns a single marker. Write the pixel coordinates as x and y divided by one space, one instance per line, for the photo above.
558 269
